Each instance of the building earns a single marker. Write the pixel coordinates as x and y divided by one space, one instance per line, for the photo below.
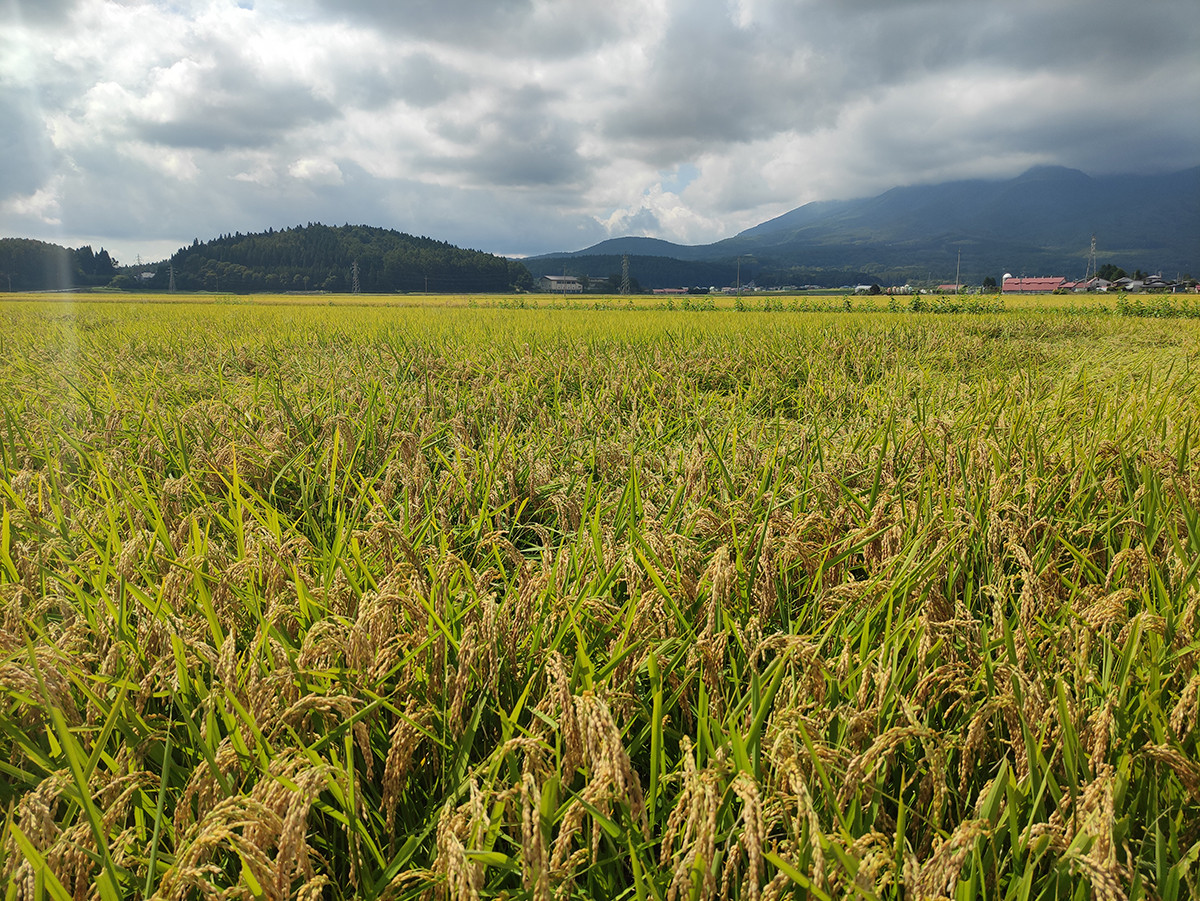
1036 285
1158 283
561 284
1092 284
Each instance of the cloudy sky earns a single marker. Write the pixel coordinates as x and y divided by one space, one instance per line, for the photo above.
523 126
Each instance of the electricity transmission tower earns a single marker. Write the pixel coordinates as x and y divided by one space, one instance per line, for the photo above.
625 274
354 278
171 271
1091 265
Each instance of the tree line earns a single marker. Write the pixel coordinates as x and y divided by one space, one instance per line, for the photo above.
29 265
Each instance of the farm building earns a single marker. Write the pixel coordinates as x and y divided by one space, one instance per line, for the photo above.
1035 285
561 284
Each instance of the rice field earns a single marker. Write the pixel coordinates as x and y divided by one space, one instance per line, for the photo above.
458 602
1144 305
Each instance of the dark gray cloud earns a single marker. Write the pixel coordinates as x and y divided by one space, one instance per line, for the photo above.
25 147
220 119
521 143
797 65
513 28
423 81
539 155
418 79
448 20
37 13
224 96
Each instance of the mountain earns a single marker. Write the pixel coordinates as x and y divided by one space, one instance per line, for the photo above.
322 257
645 247
1040 222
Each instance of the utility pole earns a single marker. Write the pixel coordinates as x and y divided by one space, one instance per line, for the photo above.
171 271
957 270
739 273
625 274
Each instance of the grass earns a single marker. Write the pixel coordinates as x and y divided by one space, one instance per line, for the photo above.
487 602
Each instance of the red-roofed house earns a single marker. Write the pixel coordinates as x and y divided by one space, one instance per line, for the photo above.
1038 285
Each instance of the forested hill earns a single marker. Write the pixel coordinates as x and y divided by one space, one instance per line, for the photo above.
304 258
321 258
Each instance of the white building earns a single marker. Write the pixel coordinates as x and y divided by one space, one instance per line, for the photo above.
561 284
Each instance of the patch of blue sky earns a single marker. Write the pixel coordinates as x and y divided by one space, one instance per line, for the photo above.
675 181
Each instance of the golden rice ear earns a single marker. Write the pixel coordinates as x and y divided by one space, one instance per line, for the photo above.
460 830
753 840
1187 708
405 738
535 855
688 841
939 873
1185 768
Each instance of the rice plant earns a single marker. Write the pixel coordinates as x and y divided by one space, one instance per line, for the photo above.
464 602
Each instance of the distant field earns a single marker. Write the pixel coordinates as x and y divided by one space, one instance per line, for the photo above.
439 595
771 302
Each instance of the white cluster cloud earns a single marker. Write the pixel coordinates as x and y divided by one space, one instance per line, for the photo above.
522 126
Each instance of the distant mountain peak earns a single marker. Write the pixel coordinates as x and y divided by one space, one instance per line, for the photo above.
1045 172
1039 221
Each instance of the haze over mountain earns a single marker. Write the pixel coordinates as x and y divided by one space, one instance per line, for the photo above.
1041 222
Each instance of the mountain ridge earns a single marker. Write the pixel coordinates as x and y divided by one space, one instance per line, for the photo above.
1040 221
